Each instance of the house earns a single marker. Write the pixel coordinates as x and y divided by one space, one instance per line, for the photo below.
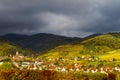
40 68
117 69
72 68
88 70
92 71
77 69
1 63
63 69
58 68
51 68
83 57
33 67
18 57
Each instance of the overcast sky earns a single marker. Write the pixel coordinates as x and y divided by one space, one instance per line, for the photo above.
61 17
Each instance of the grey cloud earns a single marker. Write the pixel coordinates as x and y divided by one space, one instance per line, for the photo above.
62 17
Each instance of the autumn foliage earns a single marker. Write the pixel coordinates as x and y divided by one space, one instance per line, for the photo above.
48 75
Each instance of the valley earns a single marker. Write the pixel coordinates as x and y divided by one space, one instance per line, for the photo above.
94 54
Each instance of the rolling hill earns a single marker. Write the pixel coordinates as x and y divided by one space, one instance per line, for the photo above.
7 48
39 42
50 44
97 45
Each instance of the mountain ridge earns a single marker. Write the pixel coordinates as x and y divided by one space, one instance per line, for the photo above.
38 42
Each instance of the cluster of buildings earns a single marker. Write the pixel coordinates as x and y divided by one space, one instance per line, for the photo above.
59 64
63 66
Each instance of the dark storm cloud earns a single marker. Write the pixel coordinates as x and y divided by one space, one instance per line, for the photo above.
62 17
110 19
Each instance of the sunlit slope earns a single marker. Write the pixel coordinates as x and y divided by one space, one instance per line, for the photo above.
101 44
112 55
7 48
104 40
98 45
65 51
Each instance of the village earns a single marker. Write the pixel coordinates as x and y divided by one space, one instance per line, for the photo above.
60 64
